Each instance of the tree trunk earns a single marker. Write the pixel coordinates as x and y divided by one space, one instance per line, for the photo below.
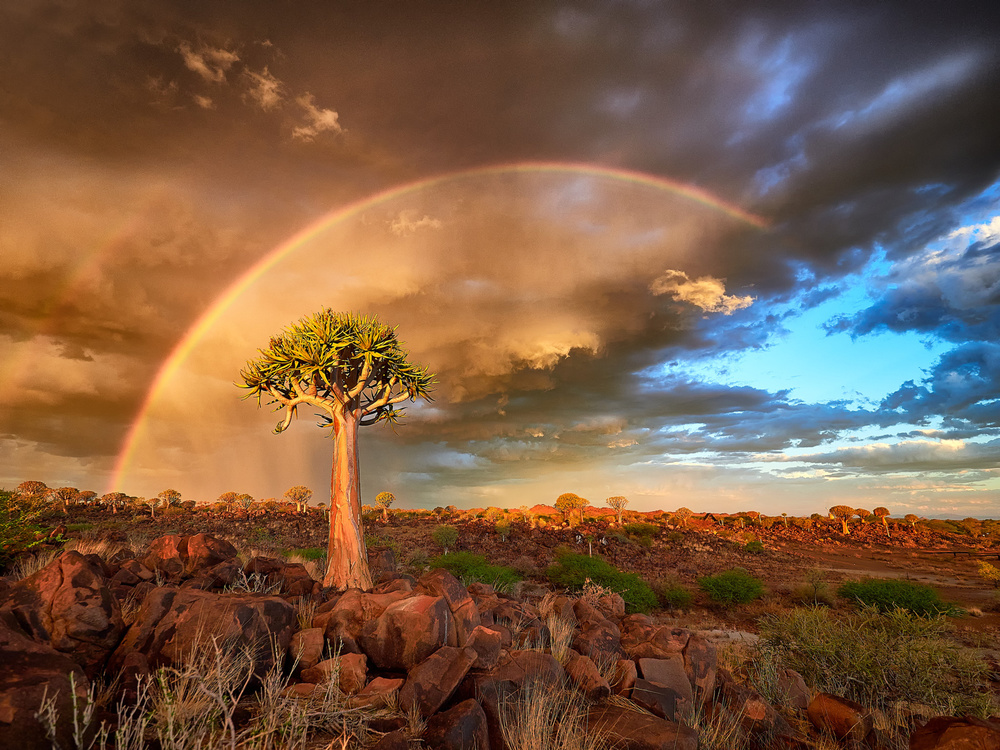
347 558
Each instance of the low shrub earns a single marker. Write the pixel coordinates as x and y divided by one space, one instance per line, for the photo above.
734 586
878 658
471 568
754 547
572 571
889 594
77 527
673 594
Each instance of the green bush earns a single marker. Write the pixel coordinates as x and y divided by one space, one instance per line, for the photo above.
888 594
753 547
734 586
471 568
572 571
673 595
77 527
878 659
446 536
641 532
17 530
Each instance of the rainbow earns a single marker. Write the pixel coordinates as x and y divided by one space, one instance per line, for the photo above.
190 339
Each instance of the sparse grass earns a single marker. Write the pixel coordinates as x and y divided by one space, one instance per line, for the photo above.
471 568
814 591
29 564
305 554
193 706
78 527
254 583
574 571
305 611
878 659
889 594
89 545
561 632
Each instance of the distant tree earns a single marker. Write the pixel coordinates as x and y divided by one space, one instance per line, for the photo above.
170 498
683 515
114 500
31 489
842 513
150 502
228 498
784 517
384 500
617 503
754 515
882 514
862 513
244 501
503 529
570 503
299 495
355 371
525 513
911 519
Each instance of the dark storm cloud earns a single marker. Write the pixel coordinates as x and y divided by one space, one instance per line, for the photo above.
213 131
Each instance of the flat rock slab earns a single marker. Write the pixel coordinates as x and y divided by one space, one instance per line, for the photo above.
626 729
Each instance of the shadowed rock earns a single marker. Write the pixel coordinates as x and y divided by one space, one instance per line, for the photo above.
461 727
67 605
407 632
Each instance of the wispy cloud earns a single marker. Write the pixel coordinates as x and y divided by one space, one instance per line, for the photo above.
406 223
263 89
210 63
706 292
317 120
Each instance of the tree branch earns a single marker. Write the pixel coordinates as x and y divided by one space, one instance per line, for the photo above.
366 374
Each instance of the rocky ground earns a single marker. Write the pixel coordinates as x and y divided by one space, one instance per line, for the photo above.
423 660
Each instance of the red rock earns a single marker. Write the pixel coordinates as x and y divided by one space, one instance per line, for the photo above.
350 670
173 624
952 733
612 606
487 644
461 727
185 556
395 740
793 689
700 664
292 579
586 677
299 690
306 647
432 682
640 638
407 632
463 608
346 617
67 605
29 671
662 700
844 718
625 677
377 693
626 729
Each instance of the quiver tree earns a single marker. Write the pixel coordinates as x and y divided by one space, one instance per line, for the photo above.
299 495
911 518
682 515
568 502
617 504
842 513
170 498
882 514
355 371
383 500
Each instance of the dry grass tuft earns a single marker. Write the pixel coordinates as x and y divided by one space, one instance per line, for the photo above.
542 718
561 632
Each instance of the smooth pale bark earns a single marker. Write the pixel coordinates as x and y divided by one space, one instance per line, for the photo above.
347 557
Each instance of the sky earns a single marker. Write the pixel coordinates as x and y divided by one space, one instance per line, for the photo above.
721 256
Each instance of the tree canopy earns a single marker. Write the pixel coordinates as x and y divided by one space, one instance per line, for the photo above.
336 362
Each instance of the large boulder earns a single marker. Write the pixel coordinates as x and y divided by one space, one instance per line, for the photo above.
343 620
407 632
68 606
173 625
30 671
584 675
464 613
289 579
185 556
597 636
432 682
